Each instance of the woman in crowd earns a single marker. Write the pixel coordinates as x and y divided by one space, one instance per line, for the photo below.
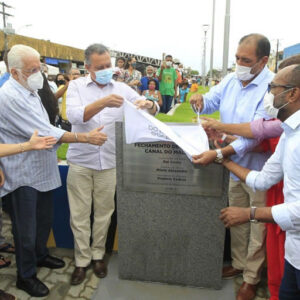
49 101
119 73
132 76
153 94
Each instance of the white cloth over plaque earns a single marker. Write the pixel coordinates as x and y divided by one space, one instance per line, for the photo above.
141 127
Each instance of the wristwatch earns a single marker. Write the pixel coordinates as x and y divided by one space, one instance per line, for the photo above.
220 158
252 214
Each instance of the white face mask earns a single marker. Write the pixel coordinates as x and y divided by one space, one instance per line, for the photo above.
269 105
35 81
243 73
168 63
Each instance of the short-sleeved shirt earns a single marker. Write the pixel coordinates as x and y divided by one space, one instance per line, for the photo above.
167 83
135 75
182 93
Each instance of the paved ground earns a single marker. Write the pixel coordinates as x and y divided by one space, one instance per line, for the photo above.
111 288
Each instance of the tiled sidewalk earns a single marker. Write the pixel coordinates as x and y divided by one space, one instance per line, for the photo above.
110 288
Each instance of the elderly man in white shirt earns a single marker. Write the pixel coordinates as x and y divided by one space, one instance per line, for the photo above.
95 100
284 163
31 176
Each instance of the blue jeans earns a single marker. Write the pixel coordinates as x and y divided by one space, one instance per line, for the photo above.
167 101
31 215
290 284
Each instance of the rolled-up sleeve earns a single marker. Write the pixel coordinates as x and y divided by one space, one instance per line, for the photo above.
75 107
132 96
264 129
271 173
287 215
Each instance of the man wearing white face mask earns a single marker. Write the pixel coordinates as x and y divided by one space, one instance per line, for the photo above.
31 176
283 164
167 77
239 98
93 101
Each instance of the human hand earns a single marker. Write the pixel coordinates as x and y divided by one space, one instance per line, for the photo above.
142 104
205 158
113 100
212 124
2 178
39 143
197 101
232 216
212 134
95 137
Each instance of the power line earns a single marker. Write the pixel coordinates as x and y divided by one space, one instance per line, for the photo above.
5 14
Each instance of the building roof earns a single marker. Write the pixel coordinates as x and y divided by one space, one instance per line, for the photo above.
45 48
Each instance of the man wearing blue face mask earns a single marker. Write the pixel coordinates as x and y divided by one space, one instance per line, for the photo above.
239 98
95 99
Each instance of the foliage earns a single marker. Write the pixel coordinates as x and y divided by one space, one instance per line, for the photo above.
194 72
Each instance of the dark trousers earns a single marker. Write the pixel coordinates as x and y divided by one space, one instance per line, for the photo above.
31 215
290 284
167 102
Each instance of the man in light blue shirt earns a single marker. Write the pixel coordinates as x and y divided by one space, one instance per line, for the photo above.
31 176
239 98
284 163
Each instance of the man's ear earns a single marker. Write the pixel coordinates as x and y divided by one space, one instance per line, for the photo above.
14 73
295 94
265 60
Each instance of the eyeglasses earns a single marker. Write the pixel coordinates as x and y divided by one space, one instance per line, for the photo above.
32 71
274 85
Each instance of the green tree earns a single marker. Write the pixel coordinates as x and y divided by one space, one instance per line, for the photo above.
194 72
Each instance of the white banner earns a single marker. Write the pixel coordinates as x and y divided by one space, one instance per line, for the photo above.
143 127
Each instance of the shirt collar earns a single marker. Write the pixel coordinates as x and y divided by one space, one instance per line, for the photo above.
259 78
292 121
89 81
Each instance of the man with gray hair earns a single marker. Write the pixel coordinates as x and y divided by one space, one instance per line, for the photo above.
95 100
31 176
145 80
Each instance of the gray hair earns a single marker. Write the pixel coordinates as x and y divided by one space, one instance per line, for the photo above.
18 53
149 67
94 48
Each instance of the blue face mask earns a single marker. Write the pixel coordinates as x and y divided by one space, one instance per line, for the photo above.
104 76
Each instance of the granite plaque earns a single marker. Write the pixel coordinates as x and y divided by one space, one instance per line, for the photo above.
169 229
163 167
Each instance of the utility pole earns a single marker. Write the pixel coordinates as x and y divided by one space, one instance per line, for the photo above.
276 57
205 29
4 15
226 38
212 44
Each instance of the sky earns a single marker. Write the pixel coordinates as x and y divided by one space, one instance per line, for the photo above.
151 28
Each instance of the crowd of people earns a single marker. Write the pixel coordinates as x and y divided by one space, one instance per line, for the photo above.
260 114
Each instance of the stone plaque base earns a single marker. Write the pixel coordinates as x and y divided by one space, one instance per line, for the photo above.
170 238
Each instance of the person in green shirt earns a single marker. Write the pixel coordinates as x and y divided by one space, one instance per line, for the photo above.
167 76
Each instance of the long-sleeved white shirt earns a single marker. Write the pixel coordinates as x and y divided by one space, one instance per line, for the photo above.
82 92
285 163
